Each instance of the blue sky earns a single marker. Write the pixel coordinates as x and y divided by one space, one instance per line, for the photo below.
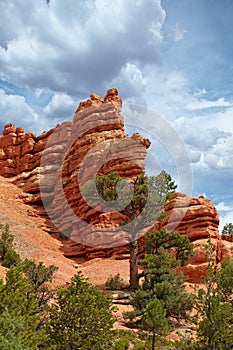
174 57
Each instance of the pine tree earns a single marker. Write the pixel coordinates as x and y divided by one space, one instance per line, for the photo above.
80 317
160 279
141 205
154 320
227 229
214 312
20 316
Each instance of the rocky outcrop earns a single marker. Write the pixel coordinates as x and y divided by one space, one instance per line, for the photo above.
197 218
54 168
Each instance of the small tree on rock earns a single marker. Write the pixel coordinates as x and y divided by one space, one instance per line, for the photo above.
227 229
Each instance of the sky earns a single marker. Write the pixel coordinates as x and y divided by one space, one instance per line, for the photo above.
172 57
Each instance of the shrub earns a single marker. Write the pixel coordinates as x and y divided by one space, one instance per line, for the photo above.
80 317
11 258
122 344
114 282
227 229
6 241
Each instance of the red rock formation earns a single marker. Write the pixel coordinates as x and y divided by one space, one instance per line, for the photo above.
54 165
196 218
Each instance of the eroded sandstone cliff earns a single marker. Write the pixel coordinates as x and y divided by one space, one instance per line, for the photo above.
51 168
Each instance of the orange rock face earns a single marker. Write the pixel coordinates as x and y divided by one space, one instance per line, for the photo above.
53 167
197 218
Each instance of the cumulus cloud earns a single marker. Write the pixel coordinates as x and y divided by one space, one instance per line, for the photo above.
199 135
131 83
206 131
14 108
225 212
61 106
60 52
76 47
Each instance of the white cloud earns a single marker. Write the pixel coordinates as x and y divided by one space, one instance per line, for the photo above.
221 206
77 47
179 32
131 83
197 133
14 108
61 106
200 104
225 214
71 49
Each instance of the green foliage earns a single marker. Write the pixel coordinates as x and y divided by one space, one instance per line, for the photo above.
160 278
14 333
109 185
214 317
122 344
19 312
224 279
8 255
164 185
149 197
39 276
227 229
146 192
141 204
109 188
114 282
181 246
6 241
154 319
80 317
11 258
140 340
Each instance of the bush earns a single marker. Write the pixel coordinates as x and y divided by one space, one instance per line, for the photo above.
11 259
6 241
114 282
227 229
8 255
122 344
80 317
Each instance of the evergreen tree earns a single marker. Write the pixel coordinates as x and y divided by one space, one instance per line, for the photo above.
164 255
39 277
20 315
214 313
141 206
154 320
80 318
227 229
8 255
224 280
6 241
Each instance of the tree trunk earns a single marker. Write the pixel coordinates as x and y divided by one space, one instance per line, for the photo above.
133 262
153 341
